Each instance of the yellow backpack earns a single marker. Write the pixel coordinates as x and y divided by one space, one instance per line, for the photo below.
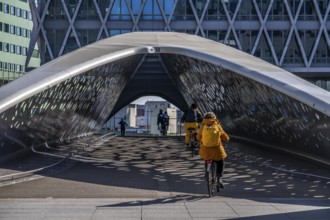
211 135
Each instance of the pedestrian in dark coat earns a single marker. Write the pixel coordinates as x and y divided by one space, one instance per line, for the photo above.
123 125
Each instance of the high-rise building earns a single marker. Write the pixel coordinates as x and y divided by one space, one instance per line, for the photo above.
292 34
15 31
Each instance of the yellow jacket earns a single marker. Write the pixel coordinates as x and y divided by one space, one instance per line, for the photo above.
212 153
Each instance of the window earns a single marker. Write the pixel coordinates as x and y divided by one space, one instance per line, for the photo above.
30 16
24 32
18 12
4 65
24 51
12 10
0 65
24 14
12 29
5 8
35 53
0 6
5 47
8 66
18 68
0 26
6 28
0 46
12 48
18 49
18 31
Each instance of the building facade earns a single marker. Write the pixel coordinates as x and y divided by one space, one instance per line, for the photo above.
143 118
292 34
15 32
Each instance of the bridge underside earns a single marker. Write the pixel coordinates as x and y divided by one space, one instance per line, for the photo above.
75 94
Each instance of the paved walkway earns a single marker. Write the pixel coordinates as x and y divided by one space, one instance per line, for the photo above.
155 178
180 207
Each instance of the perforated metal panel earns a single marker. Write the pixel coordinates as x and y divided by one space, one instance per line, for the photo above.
76 93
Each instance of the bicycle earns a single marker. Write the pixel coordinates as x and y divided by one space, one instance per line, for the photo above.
193 143
211 177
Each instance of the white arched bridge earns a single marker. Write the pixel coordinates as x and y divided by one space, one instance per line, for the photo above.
77 93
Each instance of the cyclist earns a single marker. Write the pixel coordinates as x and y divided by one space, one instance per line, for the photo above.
162 121
216 153
191 117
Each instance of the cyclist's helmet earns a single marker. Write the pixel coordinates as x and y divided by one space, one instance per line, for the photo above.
209 115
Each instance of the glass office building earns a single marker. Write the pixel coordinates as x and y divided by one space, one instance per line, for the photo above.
292 34
15 32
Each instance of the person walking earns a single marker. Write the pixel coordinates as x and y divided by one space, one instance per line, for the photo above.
123 125
160 118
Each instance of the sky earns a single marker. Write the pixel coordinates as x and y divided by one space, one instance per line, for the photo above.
144 99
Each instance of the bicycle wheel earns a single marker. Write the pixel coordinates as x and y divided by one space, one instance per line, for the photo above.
192 148
209 181
191 145
215 176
